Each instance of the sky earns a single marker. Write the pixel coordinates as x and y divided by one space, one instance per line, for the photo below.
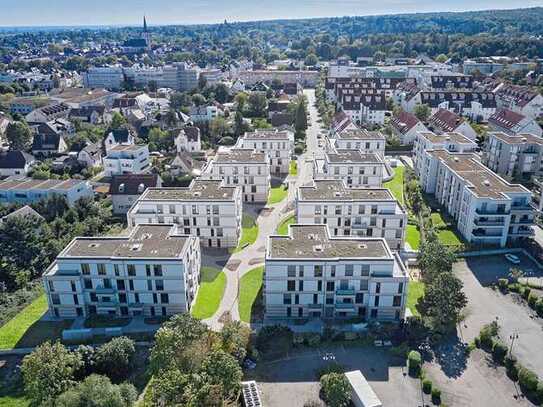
130 12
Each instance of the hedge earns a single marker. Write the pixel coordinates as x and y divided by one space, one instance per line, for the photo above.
499 350
527 379
532 300
427 386
436 396
414 362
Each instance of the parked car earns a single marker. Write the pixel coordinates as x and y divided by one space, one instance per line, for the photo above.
512 258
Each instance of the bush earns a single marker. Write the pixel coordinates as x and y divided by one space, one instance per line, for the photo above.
477 342
532 300
414 362
115 358
503 283
436 396
427 386
313 339
526 293
499 350
527 379
336 390
269 335
539 307
333 367
486 335
539 392
511 367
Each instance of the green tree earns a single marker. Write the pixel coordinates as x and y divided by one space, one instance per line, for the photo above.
239 124
198 99
258 104
422 112
49 371
311 60
117 121
441 58
336 390
19 136
115 358
242 99
218 128
160 140
435 258
223 370
300 122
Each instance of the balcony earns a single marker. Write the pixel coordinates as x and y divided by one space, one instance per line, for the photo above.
104 290
344 305
314 306
494 212
345 291
524 207
488 222
523 232
359 226
483 233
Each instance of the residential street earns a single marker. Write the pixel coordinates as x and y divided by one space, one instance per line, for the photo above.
268 220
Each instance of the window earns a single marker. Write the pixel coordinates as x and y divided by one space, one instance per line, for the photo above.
349 270
122 298
376 303
164 299
131 269
55 299
101 269
397 301
377 288
131 285
85 268
87 282
287 299
72 284
157 270
291 285
333 271
330 285
359 299
93 297
106 282
291 271
319 285
116 269
301 271
120 285
148 270
317 271
150 285
300 285
159 285
400 288
315 299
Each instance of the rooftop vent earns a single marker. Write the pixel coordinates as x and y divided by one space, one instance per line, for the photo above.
318 248
311 236
362 246
146 236
135 247
141 188
121 188
94 245
456 159
486 182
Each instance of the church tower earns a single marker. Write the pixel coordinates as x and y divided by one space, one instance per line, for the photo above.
146 35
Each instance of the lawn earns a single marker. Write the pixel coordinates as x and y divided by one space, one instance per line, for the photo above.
413 236
14 401
277 194
283 226
437 220
249 233
396 184
449 237
293 168
25 328
210 293
249 287
415 290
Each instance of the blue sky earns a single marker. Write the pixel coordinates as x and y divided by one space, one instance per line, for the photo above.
129 12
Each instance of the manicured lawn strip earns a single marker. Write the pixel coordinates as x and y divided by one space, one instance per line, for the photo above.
415 290
12 332
437 220
210 293
283 226
396 184
293 168
249 233
249 287
277 194
449 237
14 401
413 236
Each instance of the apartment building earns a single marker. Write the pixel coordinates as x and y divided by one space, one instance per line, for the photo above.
363 212
278 145
406 126
488 209
445 121
520 99
352 166
247 168
511 157
109 77
513 123
206 208
310 274
368 142
453 142
27 190
365 108
154 271
127 159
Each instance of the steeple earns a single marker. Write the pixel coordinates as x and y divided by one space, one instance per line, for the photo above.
144 24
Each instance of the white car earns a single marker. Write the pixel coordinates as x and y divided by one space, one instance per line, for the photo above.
512 258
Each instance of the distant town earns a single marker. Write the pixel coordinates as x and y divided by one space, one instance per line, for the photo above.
323 212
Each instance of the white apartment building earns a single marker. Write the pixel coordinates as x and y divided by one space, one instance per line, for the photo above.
247 168
445 121
488 209
27 190
206 208
453 142
109 77
406 126
153 271
278 145
352 166
513 123
365 108
127 159
368 142
363 212
520 99
519 156
310 274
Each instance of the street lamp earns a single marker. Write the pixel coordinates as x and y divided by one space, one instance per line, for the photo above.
512 337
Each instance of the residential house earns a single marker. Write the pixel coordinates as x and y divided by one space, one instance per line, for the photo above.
48 113
15 163
512 123
88 114
520 99
277 144
119 137
127 159
352 166
445 121
90 156
28 190
48 141
126 189
188 139
406 126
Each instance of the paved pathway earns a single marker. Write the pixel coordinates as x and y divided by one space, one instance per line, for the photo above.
268 220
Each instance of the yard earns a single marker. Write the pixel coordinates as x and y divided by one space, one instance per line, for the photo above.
210 293
26 329
445 230
249 233
249 288
413 236
283 226
293 168
396 184
277 194
415 290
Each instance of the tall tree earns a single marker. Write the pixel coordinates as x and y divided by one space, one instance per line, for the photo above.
19 136
422 112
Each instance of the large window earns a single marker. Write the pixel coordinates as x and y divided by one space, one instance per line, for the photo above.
85 268
131 269
157 270
317 271
101 269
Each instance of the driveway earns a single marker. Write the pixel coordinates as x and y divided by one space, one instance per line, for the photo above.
486 305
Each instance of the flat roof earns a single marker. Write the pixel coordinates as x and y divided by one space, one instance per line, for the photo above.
39 184
454 137
198 190
127 147
352 156
518 139
335 190
481 180
247 156
155 241
314 241
266 135
360 134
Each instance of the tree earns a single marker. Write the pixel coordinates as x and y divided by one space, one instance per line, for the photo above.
336 389
179 100
422 112
311 60
19 136
239 124
258 104
117 121
241 99
235 338
98 391
435 258
223 370
441 58
160 140
443 302
300 122
49 371
115 358
222 93
218 128
198 99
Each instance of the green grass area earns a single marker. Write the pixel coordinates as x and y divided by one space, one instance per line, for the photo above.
12 395
413 236
25 329
415 290
249 287
293 168
210 293
105 321
277 194
283 226
449 237
14 401
437 220
249 233
396 184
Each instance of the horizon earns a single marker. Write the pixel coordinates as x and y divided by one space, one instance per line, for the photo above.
22 19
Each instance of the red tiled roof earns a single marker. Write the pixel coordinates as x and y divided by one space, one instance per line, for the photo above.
446 120
404 122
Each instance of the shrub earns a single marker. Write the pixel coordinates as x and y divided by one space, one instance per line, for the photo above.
503 283
514 287
298 339
336 390
532 300
526 293
509 361
333 367
269 335
539 392
313 339
414 362
527 379
427 386
539 307
511 367
115 358
436 396
499 350
477 342
486 335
